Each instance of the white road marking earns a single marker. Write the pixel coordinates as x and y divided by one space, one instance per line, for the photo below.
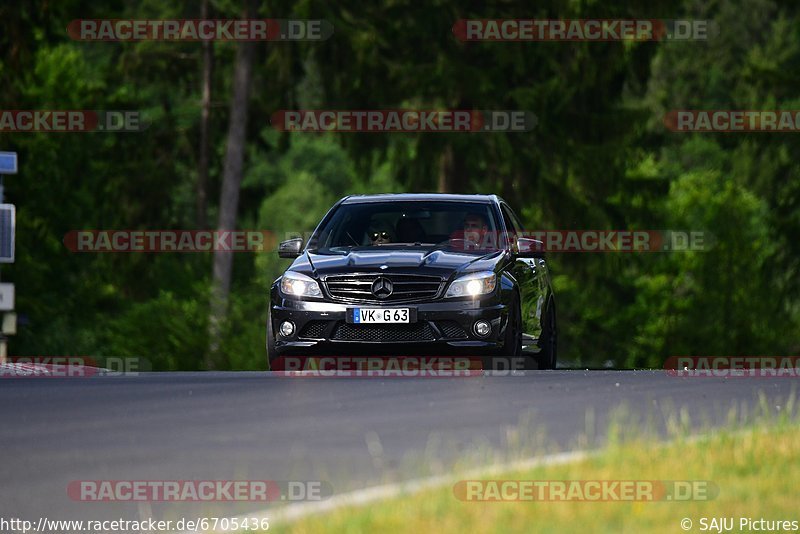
295 511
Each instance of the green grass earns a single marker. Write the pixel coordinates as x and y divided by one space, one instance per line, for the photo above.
756 468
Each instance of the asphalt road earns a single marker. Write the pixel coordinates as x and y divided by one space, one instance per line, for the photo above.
350 432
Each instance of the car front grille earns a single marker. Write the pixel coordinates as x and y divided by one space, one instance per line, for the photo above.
406 287
393 333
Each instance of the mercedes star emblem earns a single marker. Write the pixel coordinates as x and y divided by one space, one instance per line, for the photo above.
382 287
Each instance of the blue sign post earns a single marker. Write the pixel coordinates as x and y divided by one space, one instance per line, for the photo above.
8 165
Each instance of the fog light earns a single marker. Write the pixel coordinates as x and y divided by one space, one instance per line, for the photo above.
287 328
482 328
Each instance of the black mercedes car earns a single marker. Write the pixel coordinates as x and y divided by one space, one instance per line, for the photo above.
415 273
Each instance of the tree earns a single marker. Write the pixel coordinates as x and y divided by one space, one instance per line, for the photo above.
231 181
201 193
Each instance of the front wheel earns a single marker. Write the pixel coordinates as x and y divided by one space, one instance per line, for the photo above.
271 351
506 357
548 344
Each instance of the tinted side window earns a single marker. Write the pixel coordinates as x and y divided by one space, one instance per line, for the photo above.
515 220
511 230
512 222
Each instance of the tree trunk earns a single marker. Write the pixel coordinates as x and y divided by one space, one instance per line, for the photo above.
229 197
201 192
452 171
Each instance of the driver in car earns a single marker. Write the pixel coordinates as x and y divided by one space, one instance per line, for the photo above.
471 234
475 230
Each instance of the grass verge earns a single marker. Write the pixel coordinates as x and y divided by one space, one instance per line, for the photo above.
755 469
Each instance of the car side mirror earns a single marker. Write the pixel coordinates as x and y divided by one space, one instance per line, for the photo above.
290 248
530 248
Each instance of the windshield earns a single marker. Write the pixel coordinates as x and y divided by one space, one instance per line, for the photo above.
459 225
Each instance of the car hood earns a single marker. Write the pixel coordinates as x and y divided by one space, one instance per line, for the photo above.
437 262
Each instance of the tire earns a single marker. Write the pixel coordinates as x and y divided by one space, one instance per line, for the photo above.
548 354
272 352
512 339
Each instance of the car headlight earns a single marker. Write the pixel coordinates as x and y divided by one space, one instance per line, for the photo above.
299 285
471 285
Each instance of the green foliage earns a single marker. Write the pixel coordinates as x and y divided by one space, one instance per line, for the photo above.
167 331
599 158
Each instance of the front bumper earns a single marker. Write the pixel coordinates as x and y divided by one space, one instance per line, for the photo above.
443 326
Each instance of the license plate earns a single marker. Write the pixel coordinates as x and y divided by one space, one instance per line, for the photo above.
380 315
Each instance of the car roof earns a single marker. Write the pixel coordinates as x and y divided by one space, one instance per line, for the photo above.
445 197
